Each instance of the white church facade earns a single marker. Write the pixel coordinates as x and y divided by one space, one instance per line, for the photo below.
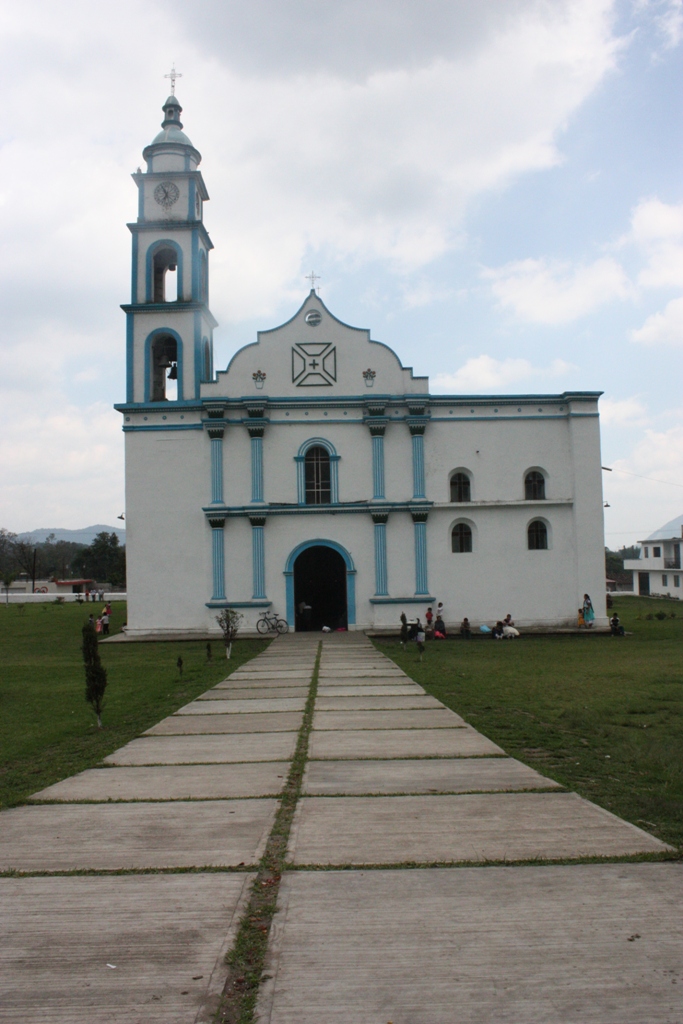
316 477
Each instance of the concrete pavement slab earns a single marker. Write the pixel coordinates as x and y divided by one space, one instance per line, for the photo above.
437 775
369 681
111 836
425 719
206 749
164 935
246 693
275 721
263 684
293 673
579 944
361 673
390 743
386 689
234 706
171 782
377 702
492 826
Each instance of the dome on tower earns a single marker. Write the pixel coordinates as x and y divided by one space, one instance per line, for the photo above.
172 139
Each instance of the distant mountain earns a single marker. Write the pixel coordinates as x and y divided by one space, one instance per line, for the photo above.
84 536
669 530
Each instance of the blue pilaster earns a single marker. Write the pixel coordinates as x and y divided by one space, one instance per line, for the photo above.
218 558
256 463
420 531
381 579
258 556
216 432
377 432
417 432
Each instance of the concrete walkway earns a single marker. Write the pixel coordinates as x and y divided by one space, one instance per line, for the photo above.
199 791
416 916
397 783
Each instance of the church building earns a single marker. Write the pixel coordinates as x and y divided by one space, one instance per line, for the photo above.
316 477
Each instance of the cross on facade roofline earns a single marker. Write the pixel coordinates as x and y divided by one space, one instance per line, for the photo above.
313 277
173 75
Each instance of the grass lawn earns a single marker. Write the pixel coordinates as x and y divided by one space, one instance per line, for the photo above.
599 714
47 731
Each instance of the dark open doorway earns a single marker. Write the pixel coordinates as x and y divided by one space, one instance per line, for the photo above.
320 585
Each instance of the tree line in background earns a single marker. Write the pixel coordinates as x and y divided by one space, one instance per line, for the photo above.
103 561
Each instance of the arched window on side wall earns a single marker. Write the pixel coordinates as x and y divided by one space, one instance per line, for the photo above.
165 278
164 369
461 538
534 486
537 535
317 476
460 487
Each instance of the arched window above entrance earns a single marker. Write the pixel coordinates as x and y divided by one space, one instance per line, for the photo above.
317 476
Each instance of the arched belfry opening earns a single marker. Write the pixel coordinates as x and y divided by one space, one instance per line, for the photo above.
164 369
320 597
165 276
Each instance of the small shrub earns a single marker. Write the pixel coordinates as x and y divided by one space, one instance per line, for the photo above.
660 615
649 616
229 621
60 600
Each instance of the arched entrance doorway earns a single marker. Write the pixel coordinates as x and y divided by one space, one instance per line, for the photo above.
320 589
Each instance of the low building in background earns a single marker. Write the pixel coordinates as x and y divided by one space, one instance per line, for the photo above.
657 573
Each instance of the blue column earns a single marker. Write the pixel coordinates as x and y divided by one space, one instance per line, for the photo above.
417 431
256 464
381 580
420 530
258 556
216 434
377 432
218 558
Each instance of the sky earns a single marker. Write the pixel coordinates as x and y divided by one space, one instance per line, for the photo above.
493 187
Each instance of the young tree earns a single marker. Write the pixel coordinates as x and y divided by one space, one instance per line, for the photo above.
229 621
95 673
7 579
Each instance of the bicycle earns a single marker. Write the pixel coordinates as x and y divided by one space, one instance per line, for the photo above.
272 624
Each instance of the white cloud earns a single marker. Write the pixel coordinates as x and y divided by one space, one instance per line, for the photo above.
484 373
62 468
622 412
552 292
647 492
663 328
657 229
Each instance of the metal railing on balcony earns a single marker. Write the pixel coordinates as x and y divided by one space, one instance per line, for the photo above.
672 563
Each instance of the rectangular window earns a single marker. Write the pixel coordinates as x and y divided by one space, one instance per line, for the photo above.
656 552
647 552
677 581
665 581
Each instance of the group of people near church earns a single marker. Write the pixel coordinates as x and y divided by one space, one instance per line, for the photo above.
435 627
101 623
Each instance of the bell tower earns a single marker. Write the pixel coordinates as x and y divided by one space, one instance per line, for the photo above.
169 327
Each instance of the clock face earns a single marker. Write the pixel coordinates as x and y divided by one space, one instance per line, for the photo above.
166 194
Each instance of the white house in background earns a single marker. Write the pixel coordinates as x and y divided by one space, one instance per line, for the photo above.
658 570
317 470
